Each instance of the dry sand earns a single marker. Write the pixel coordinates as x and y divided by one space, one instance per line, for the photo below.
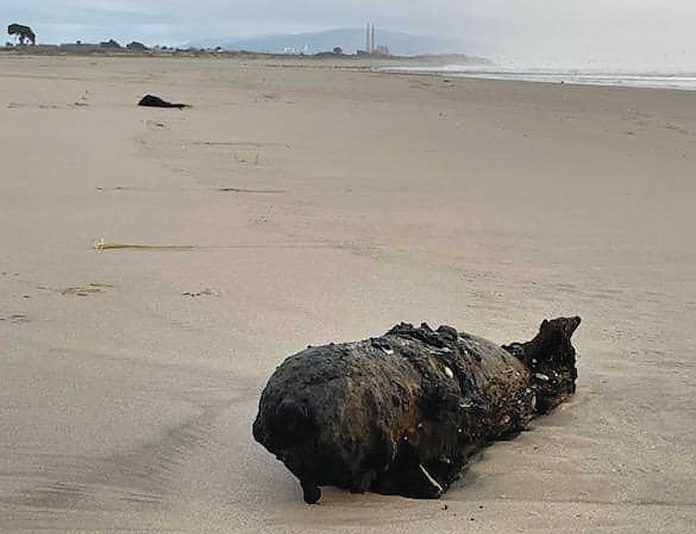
327 204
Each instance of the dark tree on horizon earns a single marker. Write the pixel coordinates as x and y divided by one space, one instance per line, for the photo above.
23 33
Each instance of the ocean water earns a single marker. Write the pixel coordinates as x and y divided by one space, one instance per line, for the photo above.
676 80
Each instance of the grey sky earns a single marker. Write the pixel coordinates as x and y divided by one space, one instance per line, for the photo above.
573 32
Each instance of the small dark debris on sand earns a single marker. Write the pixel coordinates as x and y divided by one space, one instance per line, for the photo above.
205 292
152 101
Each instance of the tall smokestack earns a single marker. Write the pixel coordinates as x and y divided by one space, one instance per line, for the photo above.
373 39
367 38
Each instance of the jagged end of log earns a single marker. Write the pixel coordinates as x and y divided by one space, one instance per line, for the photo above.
551 358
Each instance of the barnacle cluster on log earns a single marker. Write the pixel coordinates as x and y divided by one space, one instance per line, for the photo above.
404 412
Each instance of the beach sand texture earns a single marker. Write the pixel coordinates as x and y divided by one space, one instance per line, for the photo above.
298 203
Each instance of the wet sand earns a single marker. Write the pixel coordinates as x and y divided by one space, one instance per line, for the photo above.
302 203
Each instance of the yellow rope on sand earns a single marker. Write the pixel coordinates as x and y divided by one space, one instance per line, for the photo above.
103 245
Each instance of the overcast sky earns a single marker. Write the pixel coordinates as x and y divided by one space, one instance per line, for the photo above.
572 32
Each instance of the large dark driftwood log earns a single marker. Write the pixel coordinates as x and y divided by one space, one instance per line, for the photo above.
404 412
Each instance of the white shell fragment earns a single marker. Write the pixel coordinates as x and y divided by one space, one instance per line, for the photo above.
449 372
431 480
541 376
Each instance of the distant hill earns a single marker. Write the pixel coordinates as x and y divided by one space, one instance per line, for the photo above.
349 39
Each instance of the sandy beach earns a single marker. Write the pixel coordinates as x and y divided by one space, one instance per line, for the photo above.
300 203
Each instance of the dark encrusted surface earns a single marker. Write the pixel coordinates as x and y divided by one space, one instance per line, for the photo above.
403 413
